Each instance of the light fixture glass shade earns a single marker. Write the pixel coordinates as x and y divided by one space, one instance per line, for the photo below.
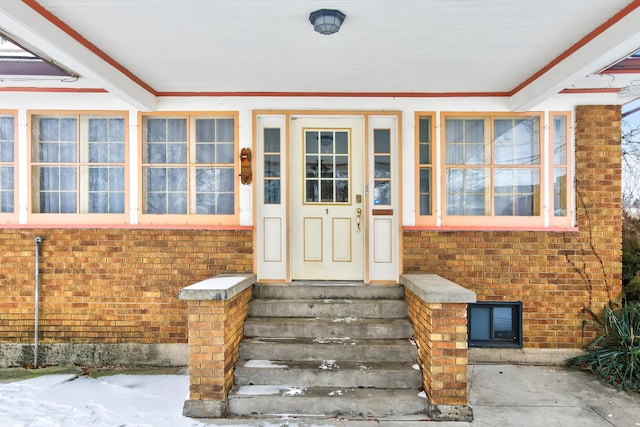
327 21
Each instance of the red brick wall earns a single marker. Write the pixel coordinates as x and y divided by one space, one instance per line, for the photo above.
554 274
110 285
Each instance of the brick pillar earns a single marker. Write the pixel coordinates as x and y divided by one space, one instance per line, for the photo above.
216 326
440 332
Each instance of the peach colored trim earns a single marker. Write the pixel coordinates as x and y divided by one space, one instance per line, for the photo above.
570 147
491 221
424 219
341 94
574 48
86 43
134 226
9 218
592 90
190 219
489 228
77 218
53 89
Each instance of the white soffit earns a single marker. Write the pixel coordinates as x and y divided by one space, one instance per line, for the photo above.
466 47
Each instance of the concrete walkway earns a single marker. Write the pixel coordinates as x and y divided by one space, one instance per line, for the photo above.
514 395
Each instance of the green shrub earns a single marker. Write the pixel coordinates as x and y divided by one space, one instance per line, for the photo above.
615 355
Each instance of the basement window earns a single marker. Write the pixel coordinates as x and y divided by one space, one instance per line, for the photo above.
495 324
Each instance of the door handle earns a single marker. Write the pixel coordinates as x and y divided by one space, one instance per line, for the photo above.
358 216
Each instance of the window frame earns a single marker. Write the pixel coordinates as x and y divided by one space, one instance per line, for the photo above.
12 217
516 325
78 217
431 219
492 220
189 218
566 220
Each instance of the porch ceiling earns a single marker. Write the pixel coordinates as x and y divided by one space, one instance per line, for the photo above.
142 49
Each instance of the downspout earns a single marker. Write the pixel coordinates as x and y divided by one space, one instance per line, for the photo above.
37 303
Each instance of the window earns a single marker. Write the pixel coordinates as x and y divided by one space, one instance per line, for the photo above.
560 170
78 164
7 164
272 173
189 169
492 166
382 167
326 166
425 177
495 324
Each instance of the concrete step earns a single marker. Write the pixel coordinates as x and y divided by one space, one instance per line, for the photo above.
329 308
286 327
331 290
318 349
325 401
328 373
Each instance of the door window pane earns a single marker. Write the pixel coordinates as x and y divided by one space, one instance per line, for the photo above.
7 168
327 175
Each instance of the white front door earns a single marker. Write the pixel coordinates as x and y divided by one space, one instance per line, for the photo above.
327 193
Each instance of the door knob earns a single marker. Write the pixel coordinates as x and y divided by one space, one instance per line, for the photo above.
358 216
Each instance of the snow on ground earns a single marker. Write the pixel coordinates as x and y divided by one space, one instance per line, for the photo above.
110 401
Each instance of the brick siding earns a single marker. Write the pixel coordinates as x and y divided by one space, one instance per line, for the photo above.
110 285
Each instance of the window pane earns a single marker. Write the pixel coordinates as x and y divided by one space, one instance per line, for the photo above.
382 140
480 321
382 193
425 154
98 153
68 129
342 142
342 167
98 130
6 189
425 191
342 191
272 191
6 151
177 179
205 130
116 130
560 192
560 140
225 204
225 180
6 129
503 323
311 167
224 153
517 141
176 153
176 130
205 153
516 192
272 165
156 130
272 140
474 131
311 142
49 129
156 153
326 142
453 130
177 203
326 191
225 130
312 192
382 167
466 191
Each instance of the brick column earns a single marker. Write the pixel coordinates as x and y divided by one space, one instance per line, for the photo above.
438 312
216 313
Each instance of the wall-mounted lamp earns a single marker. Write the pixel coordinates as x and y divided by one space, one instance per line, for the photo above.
327 21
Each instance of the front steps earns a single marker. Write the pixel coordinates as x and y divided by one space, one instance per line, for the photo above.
320 350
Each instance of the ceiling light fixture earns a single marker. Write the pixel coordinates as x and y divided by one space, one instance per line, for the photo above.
327 21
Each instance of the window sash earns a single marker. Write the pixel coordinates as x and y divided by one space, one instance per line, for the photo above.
492 167
188 165
495 324
78 164
8 167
